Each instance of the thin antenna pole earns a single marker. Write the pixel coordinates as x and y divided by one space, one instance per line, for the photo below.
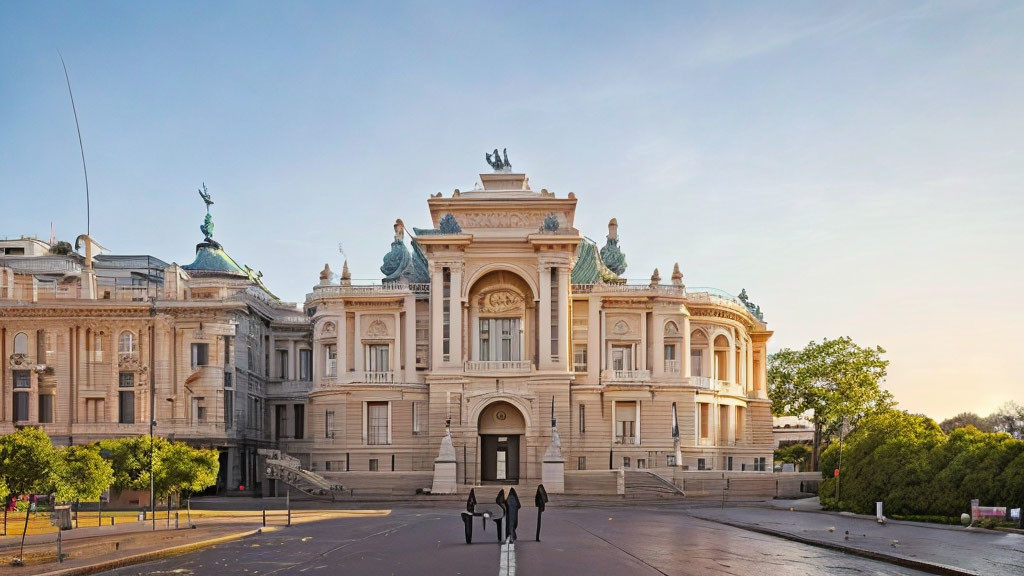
80 147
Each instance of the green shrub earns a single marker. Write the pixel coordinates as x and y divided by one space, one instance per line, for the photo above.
909 463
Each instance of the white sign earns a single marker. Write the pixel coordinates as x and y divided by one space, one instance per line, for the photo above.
1015 514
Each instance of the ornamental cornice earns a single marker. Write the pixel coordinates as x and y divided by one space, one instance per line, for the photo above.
73 312
699 312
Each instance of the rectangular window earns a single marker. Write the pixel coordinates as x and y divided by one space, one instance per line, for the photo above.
97 348
329 424
760 464
702 464
625 422
46 408
21 406
583 419
446 293
227 351
625 461
305 365
500 339
22 379
331 367
199 410
126 380
581 462
377 423
282 364
641 463
228 380
299 410
670 352
696 362
373 465
200 355
126 407
670 460
281 422
378 358
579 357
415 418
229 407
704 417
622 357
728 462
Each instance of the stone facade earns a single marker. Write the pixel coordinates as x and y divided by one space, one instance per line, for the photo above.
497 325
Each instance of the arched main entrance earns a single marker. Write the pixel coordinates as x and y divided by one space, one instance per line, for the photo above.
502 428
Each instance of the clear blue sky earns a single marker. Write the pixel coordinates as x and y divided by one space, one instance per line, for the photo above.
856 166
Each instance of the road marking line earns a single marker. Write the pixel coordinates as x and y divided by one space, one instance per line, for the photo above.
507 560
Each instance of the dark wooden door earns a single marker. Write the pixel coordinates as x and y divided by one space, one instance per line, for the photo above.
488 458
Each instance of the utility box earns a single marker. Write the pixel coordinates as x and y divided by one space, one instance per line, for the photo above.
61 517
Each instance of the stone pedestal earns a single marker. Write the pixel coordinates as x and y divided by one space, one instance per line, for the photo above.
553 466
677 470
445 479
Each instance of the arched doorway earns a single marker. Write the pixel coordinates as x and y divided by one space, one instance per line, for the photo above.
501 427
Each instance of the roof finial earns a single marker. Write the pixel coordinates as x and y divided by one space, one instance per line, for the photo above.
325 275
346 277
677 276
655 278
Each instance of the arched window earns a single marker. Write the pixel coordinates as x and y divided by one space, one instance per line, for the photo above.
21 343
721 368
127 343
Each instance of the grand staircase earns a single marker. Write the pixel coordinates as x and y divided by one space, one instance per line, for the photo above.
287 469
644 484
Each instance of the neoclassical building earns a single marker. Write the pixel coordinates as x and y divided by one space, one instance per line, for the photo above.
495 324
500 317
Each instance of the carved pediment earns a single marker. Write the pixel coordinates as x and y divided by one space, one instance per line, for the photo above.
329 329
671 328
501 301
377 329
620 328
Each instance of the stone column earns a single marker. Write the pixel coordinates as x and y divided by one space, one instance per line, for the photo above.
658 351
593 340
640 362
731 359
340 344
396 349
750 367
564 329
455 308
436 316
544 319
357 346
685 358
410 339
293 362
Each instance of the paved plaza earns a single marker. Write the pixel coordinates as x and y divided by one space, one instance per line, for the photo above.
613 540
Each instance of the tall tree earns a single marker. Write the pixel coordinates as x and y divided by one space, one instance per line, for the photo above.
966 419
182 468
80 473
25 462
832 380
1009 418
131 460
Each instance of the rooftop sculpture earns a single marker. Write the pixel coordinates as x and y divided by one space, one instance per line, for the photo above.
612 257
207 226
497 162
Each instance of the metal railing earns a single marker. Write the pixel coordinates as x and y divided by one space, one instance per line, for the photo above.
498 366
673 366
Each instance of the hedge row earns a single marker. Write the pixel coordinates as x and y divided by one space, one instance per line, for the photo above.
910 464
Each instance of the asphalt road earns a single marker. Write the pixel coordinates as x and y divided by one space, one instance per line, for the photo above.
582 541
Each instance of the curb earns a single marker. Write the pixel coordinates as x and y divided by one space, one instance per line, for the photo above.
150 556
924 566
